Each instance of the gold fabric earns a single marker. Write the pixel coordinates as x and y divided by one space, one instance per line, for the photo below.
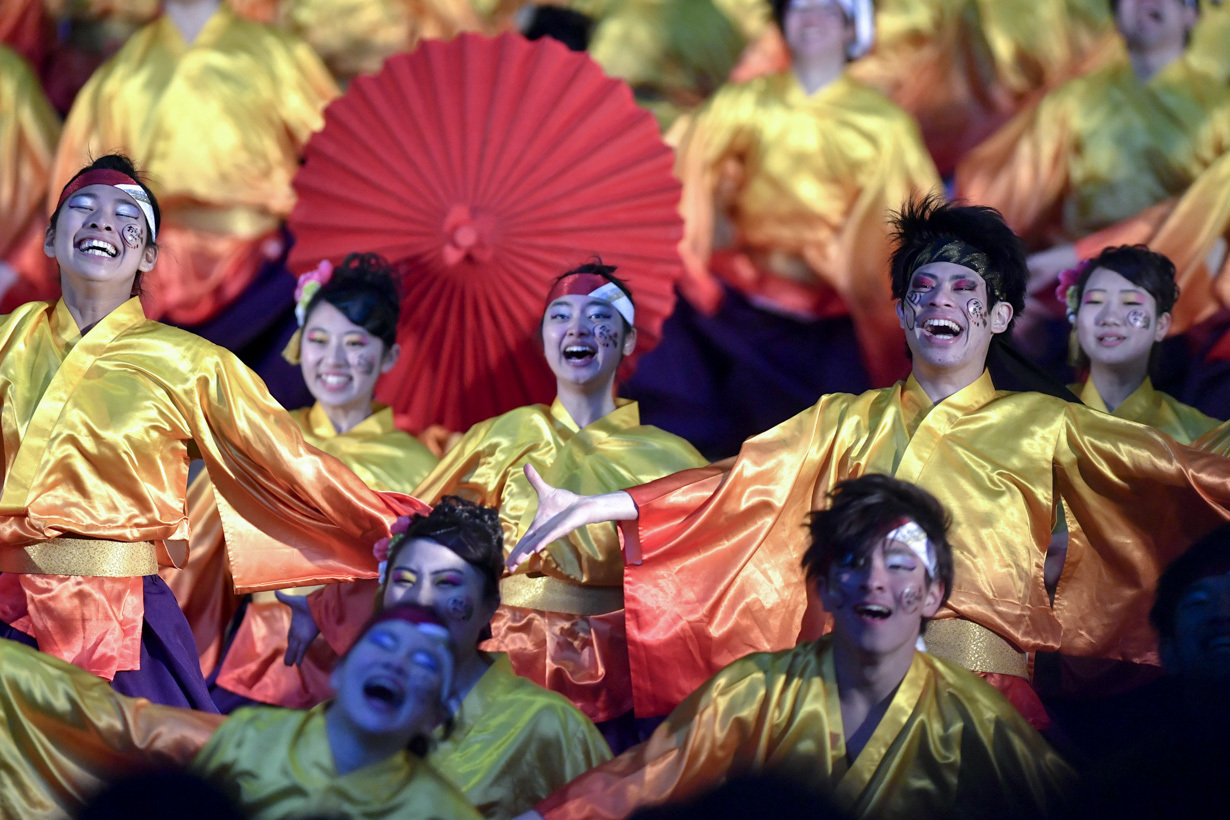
976 648
1148 406
722 544
83 556
29 130
384 457
281 764
97 432
1209 38
218 125
583 657
67 732
948 745
552 595
513 743
1099 149
806 181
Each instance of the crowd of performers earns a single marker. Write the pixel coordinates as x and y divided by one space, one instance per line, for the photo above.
926 579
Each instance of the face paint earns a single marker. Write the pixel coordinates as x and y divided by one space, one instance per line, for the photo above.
1138 318
910 598
977 313
459 608
606 335
131 235
909 308
366 363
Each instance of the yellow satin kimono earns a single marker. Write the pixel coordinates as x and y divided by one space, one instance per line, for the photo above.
218 125
66 733
96 434
281 764
1099 149
948 746
29 131
562 619
1209 38
513 743
1154 408
807 182
722 544
384 457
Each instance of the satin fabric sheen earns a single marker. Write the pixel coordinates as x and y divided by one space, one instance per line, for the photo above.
97 433
722 544
1099 149
66 733
1154 408
218 125
581 657
384 457
281 763
948 745
29 130
513 743
806 180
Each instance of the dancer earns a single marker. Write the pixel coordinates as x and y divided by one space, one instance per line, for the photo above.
347 339
890 731
722 539
561 620
101 411
1119 305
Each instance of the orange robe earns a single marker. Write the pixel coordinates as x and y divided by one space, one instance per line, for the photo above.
722 544
219 125
806 181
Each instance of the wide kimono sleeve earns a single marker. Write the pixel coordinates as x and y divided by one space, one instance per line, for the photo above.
67 732
291 514
722 547
724 728
1134 500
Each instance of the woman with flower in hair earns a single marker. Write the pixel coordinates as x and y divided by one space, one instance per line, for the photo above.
347 338
562 616
101 411
1119 306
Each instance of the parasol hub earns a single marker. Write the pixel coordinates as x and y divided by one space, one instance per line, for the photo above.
463 237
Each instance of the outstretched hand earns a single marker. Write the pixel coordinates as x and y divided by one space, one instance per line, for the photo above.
554 519
303 629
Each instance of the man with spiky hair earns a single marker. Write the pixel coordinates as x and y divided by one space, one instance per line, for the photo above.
721 544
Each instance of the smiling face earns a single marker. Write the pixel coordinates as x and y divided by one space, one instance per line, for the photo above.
340 360
1200 647
1117 321
816 27
100 238
390 683
431 575
878 600
1155 24
584 341
947 322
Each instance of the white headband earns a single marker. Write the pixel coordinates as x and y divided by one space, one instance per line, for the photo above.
913 537
863 14
610 292
139 196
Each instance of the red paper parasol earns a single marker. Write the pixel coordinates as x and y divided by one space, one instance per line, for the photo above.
487 167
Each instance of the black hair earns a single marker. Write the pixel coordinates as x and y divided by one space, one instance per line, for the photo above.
470 530
121 163
780 7
364 287
595 265
923 222
1210 555
865 509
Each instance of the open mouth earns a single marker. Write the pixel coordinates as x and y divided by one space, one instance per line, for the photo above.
334 381
579 354
384 693
1111 339
97 247
942 328
874 611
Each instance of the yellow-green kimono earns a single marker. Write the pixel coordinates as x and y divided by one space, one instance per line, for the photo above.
1145 405
948 745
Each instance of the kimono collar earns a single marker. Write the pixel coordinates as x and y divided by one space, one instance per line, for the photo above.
64 326
968 398
626 414
321 426
1142 398
209 34
483 694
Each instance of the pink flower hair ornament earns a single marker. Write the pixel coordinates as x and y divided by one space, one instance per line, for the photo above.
309 285
1067 292
384 546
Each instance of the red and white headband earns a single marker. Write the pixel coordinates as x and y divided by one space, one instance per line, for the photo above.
116 179
595 287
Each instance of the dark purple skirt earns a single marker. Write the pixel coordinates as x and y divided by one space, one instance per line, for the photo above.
170 671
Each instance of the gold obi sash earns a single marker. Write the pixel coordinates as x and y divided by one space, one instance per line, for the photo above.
974 647
547 594
82 556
